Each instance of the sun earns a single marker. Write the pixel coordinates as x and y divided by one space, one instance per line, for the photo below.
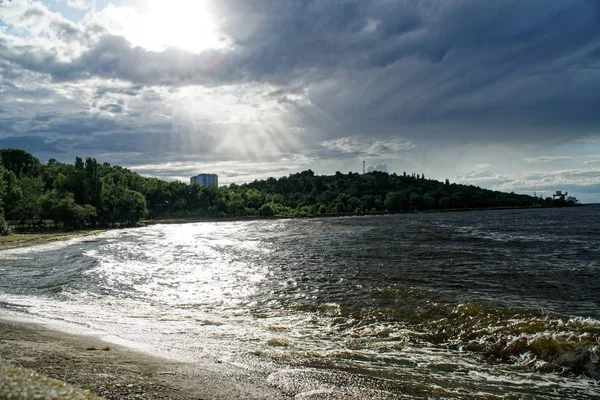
187 24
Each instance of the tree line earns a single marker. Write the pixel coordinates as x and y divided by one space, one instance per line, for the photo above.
92 194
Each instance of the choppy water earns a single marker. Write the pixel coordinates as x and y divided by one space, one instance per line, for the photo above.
494 304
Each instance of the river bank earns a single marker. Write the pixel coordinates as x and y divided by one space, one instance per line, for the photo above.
187 220
117 372
30 239
14 240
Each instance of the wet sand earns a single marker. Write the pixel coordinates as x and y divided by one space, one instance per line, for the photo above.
117 372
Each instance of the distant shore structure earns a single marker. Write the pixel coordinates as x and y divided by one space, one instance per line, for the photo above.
378 168
205 180
559 195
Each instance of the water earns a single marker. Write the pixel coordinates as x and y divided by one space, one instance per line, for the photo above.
492 304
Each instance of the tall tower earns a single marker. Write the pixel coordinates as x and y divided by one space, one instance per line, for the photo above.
363 167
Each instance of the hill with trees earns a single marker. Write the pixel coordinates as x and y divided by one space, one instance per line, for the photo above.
90 194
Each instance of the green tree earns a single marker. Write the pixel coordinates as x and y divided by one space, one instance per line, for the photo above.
19 162
443 202
2 188
121 205
61 184
93 184
87 193
77 181
416 201
3 225
429 200
339 207
354 204
28 206
62 209
266 210
12 193
393 201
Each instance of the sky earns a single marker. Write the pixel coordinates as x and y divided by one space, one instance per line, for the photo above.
502 95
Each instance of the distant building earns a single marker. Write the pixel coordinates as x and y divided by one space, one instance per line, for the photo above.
559 195
572 199
205 180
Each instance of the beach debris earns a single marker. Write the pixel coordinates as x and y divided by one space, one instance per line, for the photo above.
22 383
103 348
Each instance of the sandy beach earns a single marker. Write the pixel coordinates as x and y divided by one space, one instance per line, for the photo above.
116 372
108 370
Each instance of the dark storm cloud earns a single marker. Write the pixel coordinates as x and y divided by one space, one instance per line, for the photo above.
465 65
357 147
80 126
7 125
40 144
424 71
395 63
87 134
473 45
113 57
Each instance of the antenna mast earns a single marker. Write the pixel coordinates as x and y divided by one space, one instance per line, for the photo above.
363 167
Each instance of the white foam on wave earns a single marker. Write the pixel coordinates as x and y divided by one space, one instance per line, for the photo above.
187 290
29 252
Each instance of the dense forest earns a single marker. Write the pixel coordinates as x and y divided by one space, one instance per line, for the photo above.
90 194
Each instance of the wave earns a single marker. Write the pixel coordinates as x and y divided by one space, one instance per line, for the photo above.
523 338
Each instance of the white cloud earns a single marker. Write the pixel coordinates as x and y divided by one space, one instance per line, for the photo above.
81 4
533 180
229 172
185 24
582 183
365 147
481 166
589 140
545 159
557 179
371 25
484 178
39 36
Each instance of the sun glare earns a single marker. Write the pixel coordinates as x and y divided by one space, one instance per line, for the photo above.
186 24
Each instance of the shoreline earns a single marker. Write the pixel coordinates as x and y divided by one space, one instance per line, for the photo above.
113 371
340 215
15 240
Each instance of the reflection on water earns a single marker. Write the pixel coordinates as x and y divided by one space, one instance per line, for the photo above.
472 305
